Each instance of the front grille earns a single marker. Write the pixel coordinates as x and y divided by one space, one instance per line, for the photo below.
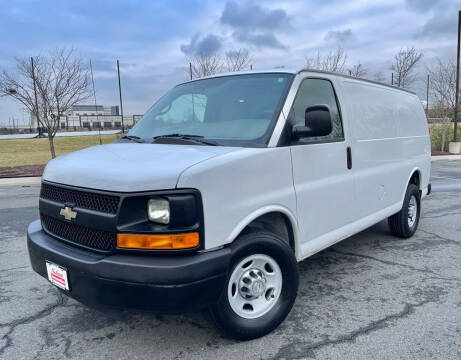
88 200
80 235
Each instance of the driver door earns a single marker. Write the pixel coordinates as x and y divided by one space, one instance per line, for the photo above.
323 183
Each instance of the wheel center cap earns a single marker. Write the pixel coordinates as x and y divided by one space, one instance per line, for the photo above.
257 288
252 284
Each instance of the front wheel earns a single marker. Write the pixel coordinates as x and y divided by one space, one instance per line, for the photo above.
405 222
260 289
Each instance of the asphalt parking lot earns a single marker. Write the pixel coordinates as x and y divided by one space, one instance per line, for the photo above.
370 296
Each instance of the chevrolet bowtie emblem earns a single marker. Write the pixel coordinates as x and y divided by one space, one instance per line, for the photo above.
68 213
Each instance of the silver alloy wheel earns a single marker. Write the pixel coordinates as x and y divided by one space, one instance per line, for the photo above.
254 286
412 211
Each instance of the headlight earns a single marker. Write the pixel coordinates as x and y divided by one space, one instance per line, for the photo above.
158 210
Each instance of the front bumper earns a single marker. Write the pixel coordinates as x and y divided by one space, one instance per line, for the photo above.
168 283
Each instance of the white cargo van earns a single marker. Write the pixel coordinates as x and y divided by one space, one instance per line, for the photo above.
223 186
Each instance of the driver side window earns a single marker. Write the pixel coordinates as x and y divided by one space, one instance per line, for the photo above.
317 92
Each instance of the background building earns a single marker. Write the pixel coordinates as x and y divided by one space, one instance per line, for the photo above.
93 110
93 117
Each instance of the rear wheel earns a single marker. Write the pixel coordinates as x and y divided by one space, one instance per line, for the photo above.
405 222
260 289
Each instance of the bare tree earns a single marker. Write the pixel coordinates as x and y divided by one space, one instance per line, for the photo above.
206 65
61 81
379 76
404 65
357 70
237 60
442 82
442 78
334 61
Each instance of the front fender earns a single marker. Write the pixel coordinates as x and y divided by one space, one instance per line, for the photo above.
262 211
239 186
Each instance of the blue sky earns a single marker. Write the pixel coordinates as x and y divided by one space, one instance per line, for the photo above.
153 39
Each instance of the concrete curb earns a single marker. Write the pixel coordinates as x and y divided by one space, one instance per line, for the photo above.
20 181
446 157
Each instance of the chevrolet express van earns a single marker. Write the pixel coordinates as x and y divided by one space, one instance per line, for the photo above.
225 184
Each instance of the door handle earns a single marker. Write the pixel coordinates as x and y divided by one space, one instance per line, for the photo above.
349 158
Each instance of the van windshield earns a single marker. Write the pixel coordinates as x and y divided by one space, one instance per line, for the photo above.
236 110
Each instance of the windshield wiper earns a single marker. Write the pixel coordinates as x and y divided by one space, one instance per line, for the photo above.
133 138
177 135
192 138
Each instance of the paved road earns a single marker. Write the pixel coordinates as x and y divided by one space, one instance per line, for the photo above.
370 296
446 175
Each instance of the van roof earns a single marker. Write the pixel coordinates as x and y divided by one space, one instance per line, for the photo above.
357 78
295 72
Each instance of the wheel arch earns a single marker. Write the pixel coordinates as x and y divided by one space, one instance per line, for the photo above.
273 218
415 177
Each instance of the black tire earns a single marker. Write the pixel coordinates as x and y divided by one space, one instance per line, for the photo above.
266 243
398 223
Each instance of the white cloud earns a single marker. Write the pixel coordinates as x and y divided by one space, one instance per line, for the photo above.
276 32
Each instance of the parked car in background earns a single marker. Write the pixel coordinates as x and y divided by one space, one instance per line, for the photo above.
223 186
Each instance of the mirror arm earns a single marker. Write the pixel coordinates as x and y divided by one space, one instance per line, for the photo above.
301 131
294 134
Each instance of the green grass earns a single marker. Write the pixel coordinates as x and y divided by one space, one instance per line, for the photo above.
19 152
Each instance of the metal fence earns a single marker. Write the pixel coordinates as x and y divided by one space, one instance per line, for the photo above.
98 121
79 123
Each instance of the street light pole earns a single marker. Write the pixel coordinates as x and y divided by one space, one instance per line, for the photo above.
120 93
457 80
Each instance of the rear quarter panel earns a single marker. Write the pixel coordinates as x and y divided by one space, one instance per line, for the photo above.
389 139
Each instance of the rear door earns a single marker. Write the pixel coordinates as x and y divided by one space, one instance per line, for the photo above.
324 185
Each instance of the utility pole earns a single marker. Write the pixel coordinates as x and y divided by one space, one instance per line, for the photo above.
427 97
35 95
190 70
392 79
95 106
457 79
120 93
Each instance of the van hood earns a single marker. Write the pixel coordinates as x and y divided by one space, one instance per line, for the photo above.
128 167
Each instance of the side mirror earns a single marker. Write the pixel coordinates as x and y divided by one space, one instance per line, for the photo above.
317 122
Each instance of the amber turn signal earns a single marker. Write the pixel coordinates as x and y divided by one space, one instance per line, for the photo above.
158 242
